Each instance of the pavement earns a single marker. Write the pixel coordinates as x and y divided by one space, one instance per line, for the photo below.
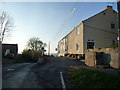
33 75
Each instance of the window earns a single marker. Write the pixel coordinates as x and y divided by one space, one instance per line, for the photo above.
92 40
112 26
70 46
66 39
77 47
77 31
7 51
70 35
66 48
113 42
104 13
61 42
88 39
90 45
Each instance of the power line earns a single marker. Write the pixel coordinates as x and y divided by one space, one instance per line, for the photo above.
66 21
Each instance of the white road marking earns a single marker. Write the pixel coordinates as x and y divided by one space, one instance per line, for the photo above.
62 81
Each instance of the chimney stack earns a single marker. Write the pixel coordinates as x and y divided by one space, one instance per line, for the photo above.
108 7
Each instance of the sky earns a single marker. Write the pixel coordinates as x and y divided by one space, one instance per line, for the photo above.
49 21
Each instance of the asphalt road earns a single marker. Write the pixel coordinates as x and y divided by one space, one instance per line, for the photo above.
33 75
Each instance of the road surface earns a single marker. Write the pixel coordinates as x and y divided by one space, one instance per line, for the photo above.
33 75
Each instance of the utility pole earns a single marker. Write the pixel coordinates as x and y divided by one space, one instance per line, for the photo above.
118 7
49 48
0 57
0 44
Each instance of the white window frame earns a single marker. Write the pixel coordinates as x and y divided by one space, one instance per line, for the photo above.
71 35
90 40
78 31
111 26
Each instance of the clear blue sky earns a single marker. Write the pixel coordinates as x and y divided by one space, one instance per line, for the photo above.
50 21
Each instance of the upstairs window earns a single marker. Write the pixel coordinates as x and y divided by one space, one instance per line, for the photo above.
112 26
77 31
70 46
66 39
104 13
70 35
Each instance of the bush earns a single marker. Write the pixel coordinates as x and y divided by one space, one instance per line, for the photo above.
31 55
28 56
19 58
113 46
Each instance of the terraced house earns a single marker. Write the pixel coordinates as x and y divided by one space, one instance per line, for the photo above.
98 31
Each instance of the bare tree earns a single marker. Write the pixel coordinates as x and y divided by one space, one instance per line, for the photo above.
35 44
6 24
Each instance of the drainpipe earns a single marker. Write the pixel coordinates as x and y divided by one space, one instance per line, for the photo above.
118 7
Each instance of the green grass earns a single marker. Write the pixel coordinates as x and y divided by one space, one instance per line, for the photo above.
85 78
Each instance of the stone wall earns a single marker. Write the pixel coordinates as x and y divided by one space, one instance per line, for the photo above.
115 63
104 56
90 58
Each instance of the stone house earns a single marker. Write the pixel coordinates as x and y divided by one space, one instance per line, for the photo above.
98 31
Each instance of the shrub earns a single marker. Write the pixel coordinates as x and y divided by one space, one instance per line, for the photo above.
113 46
31 55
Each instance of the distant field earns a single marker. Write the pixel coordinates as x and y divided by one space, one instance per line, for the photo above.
85 78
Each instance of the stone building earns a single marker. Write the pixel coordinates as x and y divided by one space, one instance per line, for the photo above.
98 31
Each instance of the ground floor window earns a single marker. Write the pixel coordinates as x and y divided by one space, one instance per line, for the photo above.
113 42
90 45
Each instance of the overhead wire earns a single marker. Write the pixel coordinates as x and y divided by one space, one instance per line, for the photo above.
65 23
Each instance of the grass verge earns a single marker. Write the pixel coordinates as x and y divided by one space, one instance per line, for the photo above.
86 78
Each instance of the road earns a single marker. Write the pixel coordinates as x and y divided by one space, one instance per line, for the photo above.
33 75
